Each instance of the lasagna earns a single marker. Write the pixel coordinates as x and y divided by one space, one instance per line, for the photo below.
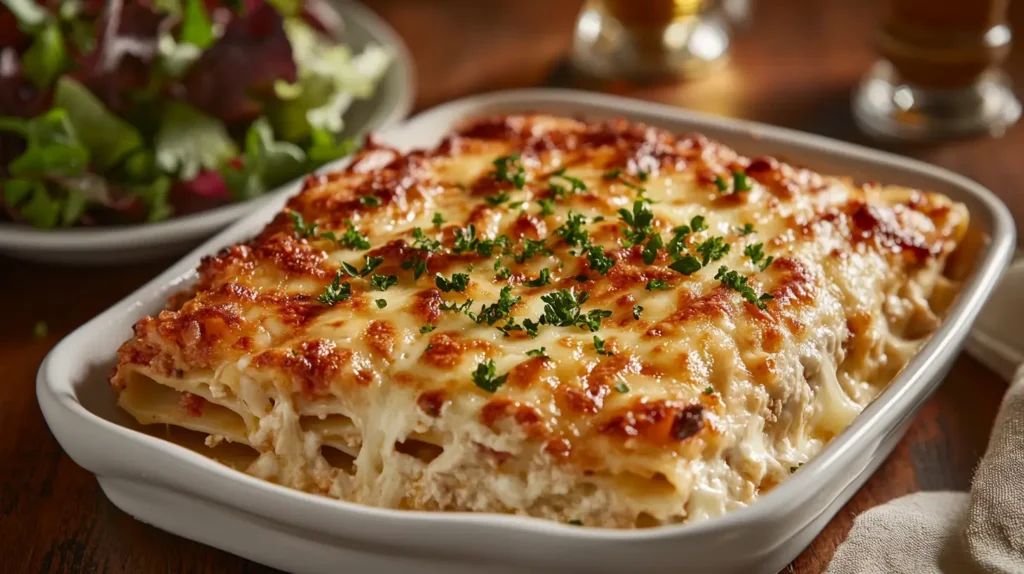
599 323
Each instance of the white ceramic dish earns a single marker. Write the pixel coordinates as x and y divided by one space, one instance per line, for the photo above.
183 492
391 103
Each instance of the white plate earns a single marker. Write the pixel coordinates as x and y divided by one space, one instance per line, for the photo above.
390 103
186 493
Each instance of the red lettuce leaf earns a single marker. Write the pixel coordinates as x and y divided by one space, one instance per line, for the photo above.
230 78
205 191
128 33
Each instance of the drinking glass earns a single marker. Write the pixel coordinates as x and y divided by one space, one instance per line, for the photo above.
939 74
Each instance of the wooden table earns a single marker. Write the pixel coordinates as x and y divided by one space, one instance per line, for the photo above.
795 65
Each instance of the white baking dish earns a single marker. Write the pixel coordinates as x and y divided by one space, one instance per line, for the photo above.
183 492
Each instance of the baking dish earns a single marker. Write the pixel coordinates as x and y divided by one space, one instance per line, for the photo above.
188 494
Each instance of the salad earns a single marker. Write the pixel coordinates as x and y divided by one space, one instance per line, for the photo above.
132 111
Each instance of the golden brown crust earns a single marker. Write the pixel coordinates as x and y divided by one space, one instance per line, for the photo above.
671 367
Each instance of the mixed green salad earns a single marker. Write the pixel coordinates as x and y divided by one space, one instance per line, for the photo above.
132 111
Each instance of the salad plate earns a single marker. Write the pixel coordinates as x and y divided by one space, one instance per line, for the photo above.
391 100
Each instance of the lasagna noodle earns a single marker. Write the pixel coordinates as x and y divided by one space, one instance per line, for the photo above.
688 400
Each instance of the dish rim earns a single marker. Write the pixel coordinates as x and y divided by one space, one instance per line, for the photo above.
23 237
899 400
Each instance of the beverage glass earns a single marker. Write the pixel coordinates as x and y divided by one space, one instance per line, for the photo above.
939 74
650 40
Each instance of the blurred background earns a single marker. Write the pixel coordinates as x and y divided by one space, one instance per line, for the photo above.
792 63
802 64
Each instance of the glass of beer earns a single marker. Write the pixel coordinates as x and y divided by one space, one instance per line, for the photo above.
939 76
650 40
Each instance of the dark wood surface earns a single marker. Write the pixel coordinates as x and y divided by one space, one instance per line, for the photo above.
793 65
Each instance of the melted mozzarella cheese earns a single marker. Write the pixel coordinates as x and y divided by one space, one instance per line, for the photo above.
683 399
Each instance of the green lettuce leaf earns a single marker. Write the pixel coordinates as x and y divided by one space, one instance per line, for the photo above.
266 164
189 141
107 137
52 146
330 77
29 14
46 58
196 27
154 197
32 202
324 147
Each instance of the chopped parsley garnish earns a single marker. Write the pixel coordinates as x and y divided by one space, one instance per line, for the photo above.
599 346
613 174
458 282
657 285
713 249
486 376
687 265
621 387
302 230
421 241
495 312
650 251
381 303
573 231
747 229
383 282
427 328
581 278
418 266
369 264
437 220
351 239
541 352
336 291
677 245
563 309
498 199
457 308
528 326
709 390
740 182
531 248
509 168
466 241
598 260
638 222
576 185
756 254
637 310
547 206
738 283
543 279
698 224
500 271
370 201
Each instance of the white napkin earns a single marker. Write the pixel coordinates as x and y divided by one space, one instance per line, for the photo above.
961 532
952 532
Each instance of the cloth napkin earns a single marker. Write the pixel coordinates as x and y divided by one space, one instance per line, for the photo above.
952 532
961 532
